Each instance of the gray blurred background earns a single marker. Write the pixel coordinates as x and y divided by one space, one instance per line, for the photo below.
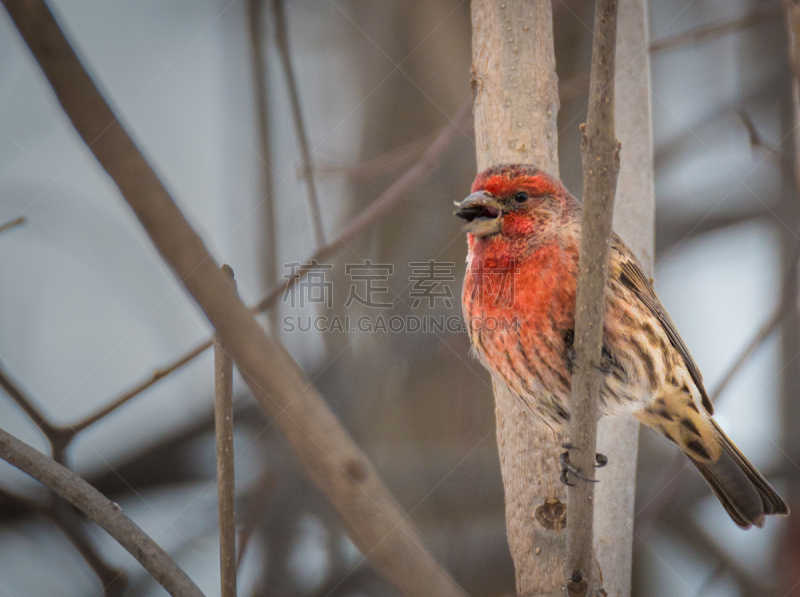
87 308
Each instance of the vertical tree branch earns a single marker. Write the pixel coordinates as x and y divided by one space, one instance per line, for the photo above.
282 40
634 221
516 105
258 63
223 426
793 23
600 153
790 324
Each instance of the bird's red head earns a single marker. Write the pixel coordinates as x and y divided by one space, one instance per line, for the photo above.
516 201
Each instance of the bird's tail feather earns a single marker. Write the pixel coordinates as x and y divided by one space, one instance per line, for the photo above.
743 491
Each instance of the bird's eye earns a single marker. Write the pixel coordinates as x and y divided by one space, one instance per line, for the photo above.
521 197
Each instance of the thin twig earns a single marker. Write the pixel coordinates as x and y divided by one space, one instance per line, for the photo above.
691 536
258 61
100 509
282 41
373 518
567 90
113 580
143 385
382 164
421 169
12 224
600 156
761 336
377 209
634 221
27 406
709 32
223 419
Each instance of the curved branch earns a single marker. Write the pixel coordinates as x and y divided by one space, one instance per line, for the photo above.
101 510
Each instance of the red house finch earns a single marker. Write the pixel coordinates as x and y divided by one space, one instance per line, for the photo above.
523 231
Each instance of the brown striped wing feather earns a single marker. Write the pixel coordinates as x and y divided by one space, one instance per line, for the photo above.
632 277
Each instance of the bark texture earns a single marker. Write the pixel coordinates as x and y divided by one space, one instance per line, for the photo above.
226 493
516 104
600 157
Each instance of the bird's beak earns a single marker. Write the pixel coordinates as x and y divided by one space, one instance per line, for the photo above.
482 213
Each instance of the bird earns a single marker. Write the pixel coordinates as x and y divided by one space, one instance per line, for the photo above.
523 238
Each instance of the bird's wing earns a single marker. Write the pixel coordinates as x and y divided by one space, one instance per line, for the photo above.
633 278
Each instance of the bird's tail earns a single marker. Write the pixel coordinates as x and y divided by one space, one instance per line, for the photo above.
743 491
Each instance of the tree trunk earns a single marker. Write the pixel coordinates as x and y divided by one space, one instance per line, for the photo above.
516 104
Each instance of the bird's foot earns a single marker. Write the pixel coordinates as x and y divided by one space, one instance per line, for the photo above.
568 468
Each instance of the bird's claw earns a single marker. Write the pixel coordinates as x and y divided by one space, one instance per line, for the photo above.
567 467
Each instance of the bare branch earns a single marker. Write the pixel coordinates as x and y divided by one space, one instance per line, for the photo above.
27 406
422 168
66 519
378 208
101 510
764 332
154 378
600 153
634 221
692 537
710 32
258 62
282 41
12 224
375 521
382 164
113 580
223 418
